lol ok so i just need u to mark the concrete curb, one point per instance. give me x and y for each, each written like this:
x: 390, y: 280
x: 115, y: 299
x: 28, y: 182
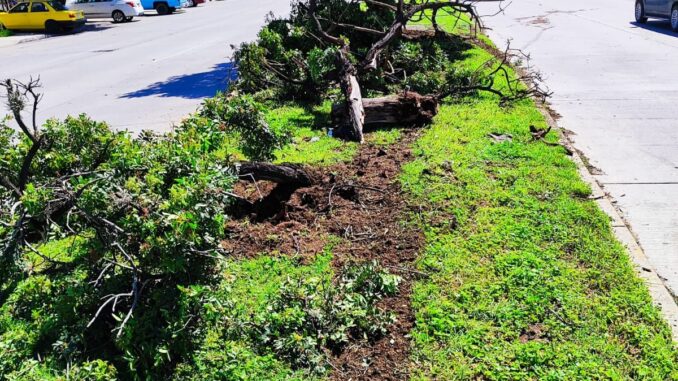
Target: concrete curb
x: 660, y: 294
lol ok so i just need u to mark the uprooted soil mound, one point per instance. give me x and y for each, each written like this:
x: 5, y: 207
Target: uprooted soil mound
x: 361, y: 202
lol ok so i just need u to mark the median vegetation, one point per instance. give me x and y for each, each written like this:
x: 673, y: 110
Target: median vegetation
x: 361, y: 205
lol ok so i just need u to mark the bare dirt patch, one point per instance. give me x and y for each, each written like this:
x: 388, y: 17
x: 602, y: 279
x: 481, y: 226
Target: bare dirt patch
x: 362, y: 203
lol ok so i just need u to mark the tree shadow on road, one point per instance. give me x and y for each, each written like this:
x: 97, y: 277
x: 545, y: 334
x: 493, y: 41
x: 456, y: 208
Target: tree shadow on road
x: 191, y: 86
x: 659, y: 26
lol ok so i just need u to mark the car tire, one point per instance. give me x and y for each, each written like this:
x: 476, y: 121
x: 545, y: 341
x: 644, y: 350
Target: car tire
x: 640, y: 12
x: 674, y: 18
x: 194, y: 4
x: 52, y: 27
x: 2, y: 26
x: 128, y: 19
x: 162, y: 9
x: 118, y: 17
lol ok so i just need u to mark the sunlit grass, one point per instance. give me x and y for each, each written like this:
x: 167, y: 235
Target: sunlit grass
x: 527, y: 281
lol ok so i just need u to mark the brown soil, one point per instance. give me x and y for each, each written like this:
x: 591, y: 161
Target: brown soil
x: 361, y: 202
x: 534, y: 332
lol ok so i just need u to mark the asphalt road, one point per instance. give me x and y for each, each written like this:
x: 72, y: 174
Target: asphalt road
x: 615, y: 84
x: 147, y: 74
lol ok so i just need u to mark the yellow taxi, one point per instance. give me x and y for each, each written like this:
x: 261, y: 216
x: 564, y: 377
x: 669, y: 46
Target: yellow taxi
x: 50, y: 16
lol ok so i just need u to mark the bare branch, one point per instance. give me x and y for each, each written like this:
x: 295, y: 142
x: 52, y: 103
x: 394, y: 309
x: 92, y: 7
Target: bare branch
x: 312, y: 8
x: 354, y: 27
x: 405, y: 14
x: 16, y: 102
x: 26, y: 166
x: 526, y: 84
x: 9, y: 185
x: 380, y: 4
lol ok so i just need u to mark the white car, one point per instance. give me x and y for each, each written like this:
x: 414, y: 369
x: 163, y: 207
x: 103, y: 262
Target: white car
x: 119, y: 10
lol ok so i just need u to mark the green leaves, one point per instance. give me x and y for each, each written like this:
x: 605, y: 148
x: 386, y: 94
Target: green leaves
x: 312, y: 315
x: 243, y: 116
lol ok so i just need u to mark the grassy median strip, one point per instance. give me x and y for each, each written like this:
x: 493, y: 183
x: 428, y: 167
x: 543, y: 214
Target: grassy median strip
x: 527, y: 281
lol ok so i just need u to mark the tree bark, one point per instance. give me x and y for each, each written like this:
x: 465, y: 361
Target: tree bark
x: 403, y: 109
x: 288, y: 174
x: 353, y: 106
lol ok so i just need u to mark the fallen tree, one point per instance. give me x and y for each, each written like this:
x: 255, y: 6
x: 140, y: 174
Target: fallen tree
x: 152, y: 208
x: 374, y: 52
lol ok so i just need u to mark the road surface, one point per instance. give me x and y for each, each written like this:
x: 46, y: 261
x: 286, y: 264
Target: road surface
x: 147, y: 74
x: 615, y: 84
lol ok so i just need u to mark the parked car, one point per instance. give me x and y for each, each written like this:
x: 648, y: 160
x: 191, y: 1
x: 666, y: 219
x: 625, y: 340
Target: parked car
x: 164, y: 7
x: 50, y: 16
x: 119, y: 10
x: 194, y: 3
x: 660, y: 9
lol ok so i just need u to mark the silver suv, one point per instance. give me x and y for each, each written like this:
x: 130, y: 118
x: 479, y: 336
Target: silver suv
x: 661, y: 9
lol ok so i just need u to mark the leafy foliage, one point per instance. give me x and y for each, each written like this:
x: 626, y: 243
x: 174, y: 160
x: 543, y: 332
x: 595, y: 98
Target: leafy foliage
x: 299, y: 320
x: 313, y: 315
x: 115, y: 243
x: 147, y: 214
x: 243, y: 116
x: 289, y: 58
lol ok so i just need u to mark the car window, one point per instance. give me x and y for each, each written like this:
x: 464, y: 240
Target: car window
x: 57, y: 6
x: 21, y: 8
x: 38, y: 7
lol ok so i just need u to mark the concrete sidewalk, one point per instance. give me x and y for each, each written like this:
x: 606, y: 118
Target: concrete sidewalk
x: 615, y: 84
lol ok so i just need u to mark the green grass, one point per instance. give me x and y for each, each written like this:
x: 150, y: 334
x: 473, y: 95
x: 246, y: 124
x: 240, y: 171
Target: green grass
x: 5, y: 33
x: 383, y: 137
x: 310, y: 143
x: 527, y: 281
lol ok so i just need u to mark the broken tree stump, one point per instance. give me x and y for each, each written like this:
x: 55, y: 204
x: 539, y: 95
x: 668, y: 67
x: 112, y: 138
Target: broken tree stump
x: 402, y: 109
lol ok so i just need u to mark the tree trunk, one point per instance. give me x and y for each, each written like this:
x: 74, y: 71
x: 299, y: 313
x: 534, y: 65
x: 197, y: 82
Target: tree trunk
x: 403, y: 109
x: 353, y: 106
x: 288, y: 174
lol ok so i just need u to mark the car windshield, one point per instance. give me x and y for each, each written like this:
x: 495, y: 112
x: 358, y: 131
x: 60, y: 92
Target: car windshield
x: 57, y: 6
